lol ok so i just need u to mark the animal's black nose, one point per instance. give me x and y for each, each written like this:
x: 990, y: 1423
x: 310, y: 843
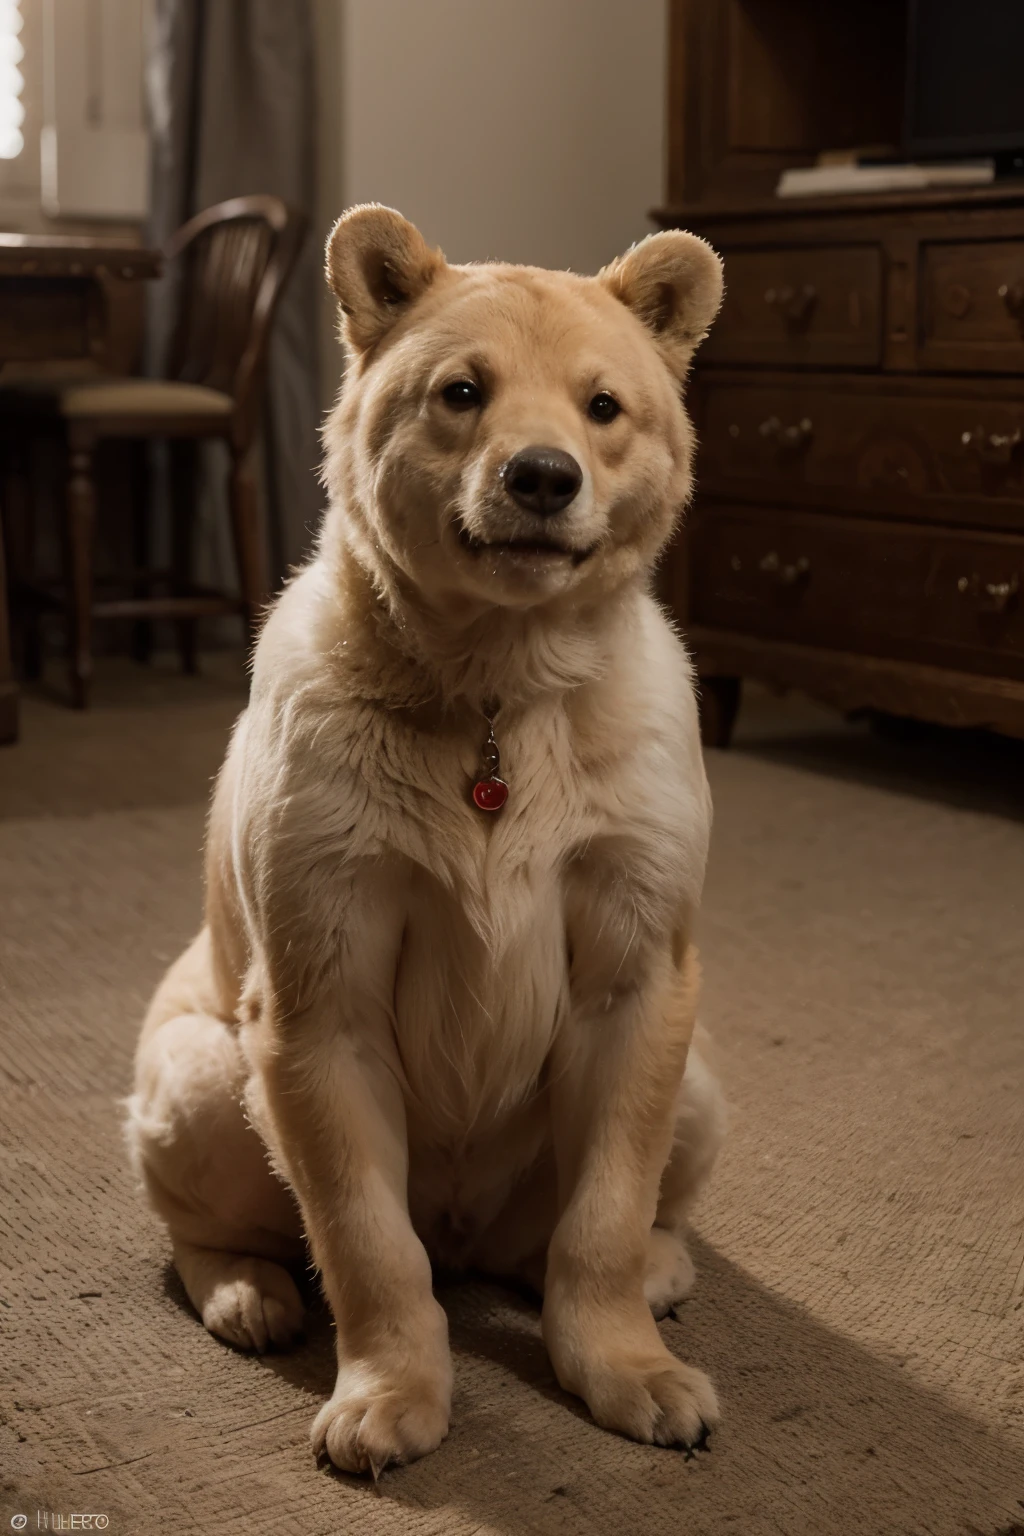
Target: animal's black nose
x: 543, y: 480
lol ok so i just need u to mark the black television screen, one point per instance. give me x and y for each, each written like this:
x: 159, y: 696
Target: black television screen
x: 965, y: 77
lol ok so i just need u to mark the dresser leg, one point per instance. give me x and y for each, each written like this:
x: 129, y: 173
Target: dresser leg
x: 719, y: 699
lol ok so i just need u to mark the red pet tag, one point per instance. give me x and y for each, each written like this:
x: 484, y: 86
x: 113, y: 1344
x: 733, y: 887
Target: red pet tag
x: 490, y: 791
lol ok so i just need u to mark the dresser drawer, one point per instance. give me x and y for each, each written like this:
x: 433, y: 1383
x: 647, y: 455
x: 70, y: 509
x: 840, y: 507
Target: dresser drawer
x: 972, y: 305
x: 903, y: 451
x: 883, y: 588
x: 814, y: 306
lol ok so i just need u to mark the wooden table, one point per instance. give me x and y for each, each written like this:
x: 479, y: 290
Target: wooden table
x: 54, y: 309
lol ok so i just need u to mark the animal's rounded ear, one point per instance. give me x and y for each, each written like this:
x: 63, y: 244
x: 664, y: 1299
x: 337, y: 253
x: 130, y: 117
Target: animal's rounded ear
x: 672, y: 282
x: 378, y: 264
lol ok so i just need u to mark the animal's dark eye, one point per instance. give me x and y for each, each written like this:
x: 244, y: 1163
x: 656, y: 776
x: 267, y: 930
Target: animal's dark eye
x: 603, y: 407
x: 462, y: 395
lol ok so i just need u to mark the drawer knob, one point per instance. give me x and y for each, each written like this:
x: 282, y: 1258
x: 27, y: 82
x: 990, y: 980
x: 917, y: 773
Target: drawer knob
x: 991, y: 596
x: 793, y: 304
x: 992, y: 447
x: 796, y: 436
x: 958, y: 300
x: 1012, y: 295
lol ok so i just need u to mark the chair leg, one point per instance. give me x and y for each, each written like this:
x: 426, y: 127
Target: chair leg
x: 142, y: 629
x: 81, y: 523
x: 245, y: 523
x: 183, y: 486
x: 18, y: 516
x: 8, y: 688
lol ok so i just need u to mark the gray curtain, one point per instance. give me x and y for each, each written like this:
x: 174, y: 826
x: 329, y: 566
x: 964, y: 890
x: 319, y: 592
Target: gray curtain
x: 232, y: 107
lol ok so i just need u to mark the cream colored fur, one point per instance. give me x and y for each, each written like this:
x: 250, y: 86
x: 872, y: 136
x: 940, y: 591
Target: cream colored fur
x: 409, y: 1030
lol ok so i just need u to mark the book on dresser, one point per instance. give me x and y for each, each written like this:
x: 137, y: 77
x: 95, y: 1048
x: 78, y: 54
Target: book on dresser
x: 858, y: 528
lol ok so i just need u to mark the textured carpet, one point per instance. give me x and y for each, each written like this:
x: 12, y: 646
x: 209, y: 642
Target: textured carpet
x: 860, y: 1251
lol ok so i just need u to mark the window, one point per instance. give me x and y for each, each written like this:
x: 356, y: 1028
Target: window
x: 21, y: 104
x: 12, y: 81
x: 72, y: 135
x: 93, y: 146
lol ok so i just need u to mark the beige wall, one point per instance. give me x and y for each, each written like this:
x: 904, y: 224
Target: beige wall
x: 523, y: 130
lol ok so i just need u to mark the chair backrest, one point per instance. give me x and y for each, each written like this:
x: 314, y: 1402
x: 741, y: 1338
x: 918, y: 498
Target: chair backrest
x: 235, y: 259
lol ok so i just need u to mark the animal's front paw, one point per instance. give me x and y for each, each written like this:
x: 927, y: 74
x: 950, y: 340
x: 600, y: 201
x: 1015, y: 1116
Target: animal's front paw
x: 657, y: 1400
x: 374, y: 1420
x: 615, y: 1359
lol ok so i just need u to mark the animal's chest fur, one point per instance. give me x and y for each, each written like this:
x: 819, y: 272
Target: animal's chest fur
x: 482, y: 977
x: 489, y: 904
x: 473, y: 1028
x: 475, y: 1012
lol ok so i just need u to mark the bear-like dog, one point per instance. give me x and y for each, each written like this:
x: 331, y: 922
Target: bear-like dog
x: 443, y: 1001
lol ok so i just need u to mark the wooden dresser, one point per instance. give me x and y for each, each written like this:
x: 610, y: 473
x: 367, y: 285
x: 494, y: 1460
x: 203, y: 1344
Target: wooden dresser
x: 858, y: 531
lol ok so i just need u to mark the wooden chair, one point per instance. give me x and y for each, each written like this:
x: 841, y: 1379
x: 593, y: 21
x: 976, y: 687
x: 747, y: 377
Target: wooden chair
x: 234, y: 260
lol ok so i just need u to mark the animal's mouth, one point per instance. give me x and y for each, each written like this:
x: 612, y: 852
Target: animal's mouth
x: 531, y: 549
